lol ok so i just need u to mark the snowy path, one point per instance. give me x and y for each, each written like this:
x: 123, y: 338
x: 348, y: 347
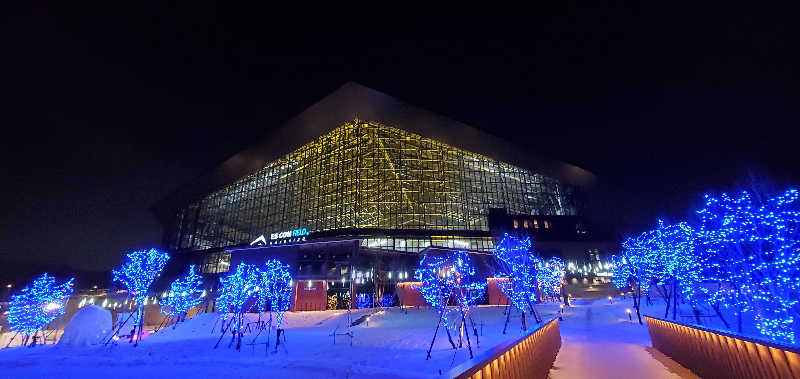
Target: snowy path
x: 598, y: 341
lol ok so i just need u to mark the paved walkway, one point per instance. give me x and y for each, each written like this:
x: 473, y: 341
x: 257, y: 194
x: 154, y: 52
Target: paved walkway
x: 598, y: 341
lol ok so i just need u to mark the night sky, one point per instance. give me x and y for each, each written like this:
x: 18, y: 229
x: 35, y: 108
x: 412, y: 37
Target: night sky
x: 105, y: 111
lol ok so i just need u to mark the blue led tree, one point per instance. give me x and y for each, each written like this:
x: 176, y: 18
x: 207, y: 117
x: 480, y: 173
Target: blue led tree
x: 633, y: 268
x: 364, y: 300
x: 37, y: 305
x: 137, y: 275
x: 449, y: 276
x: 276, y: 289
x: 520, y: 264
x: 184, y: 294
x: 235, y: 292
x: 750, y: 248
x: 550, y: 276
x: 666, y: 255
x: 387, y: 300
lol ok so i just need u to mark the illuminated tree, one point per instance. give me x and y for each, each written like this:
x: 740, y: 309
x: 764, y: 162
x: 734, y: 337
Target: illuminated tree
x: 184, y: 294
x: 137, y: 275
x: 519, y: 263
x: 633, y: 268
x: 37, y: 305
x: 364, y: 300
x: 443, y: 277
x: 550, y: 276
x: 235, y: 291
x: 750, y: 249
x: 276, y: 288
x: 387, y: 300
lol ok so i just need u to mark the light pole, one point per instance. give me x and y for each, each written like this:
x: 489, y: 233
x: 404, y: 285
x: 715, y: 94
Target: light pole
x: 628, y: 311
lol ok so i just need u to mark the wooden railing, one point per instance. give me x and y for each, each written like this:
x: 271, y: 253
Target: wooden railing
x: 712, y: 353
x: 530, y: 356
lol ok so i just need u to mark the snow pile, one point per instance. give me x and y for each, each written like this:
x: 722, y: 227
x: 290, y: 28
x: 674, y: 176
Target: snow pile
x: 88, y: 327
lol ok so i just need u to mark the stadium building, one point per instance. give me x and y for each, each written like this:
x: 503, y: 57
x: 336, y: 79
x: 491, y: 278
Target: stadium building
x: 354, y: 189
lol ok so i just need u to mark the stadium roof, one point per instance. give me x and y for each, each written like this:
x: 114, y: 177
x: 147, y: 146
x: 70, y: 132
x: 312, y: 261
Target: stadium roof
x: 354, y: 101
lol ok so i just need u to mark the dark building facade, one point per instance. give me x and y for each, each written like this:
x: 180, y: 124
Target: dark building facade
x: 359, y: 185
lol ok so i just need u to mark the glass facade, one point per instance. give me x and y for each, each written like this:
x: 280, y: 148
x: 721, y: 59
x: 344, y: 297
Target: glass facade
x: 371, y: 177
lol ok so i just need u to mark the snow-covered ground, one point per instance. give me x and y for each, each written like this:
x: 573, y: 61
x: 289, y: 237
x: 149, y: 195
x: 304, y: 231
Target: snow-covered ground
x: 599, y: 341
x: 392, y: 345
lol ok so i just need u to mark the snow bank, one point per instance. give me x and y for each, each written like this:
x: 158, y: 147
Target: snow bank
x: 88, y: 327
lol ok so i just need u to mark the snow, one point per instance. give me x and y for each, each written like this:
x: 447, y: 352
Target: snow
x: 392, y: 344
x: 599, y: 341
x: 87, y: 327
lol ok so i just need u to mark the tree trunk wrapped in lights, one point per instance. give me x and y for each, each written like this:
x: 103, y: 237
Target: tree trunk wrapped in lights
x: 449, y: 276
x: 37, y: 305
x: 137, y: 275
x: 184, y: 294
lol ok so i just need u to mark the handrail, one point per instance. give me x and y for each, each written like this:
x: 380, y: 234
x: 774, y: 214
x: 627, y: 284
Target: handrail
x: 712, y: 353
x: 727, y: 333
x: 529, y: 356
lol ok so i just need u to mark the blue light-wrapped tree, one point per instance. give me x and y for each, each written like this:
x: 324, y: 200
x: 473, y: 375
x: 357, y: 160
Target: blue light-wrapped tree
x: 750, y: 248
x: 37, y: 305
x: 387, y: 300
x: 669, y: 259
x: 364, y: 300
x: 550, y: 276
x: 633, y: 268
x: 276, y: 287
x: 520, y: 264
x: 137, y: 275
x: 184, y: 294
x: 446, y: 276
x: 235, y: 293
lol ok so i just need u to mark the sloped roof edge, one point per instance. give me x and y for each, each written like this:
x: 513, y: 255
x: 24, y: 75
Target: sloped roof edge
x: 353, y: 101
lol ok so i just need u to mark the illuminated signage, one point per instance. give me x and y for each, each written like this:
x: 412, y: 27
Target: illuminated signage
x: 261, y: 240
x: 294, y: 235
x: 300, y: 232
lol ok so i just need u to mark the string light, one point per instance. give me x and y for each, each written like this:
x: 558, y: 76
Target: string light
x: 526, y: 272
x: 550, y: 276
x: 446, y: 276
x: 185, y: 293
x: 38, y: 304
x: 276, y: 288
x: 751, y: 250
x: 748, y: 248
x: 137, y: 274
x: 235, y: 289
x: 363, y: 300
x: 387, y: 300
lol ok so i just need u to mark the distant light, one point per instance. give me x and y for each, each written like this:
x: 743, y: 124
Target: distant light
x: 8, y: 286
x: 52, y: 306
x: 95, y: 286
x: 627, y: 310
